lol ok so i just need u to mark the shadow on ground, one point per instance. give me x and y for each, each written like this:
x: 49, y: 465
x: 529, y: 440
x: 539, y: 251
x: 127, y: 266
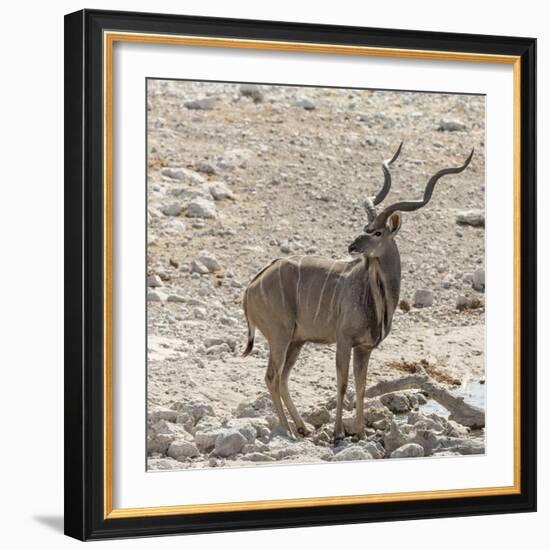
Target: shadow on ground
x: 55, y: 523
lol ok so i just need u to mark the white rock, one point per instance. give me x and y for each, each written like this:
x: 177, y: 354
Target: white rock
x: 202, y: 104
x: 423, y: 298
x: 408, y: 450
x: 394, y: 437
x: 173, y: 209
x: 198, y: 267
x: 397, y: 402
x: 199, y: 313
x: 197, y: 409
x: 245, y: 427
x: 166, y: 427
x: 262, y: 406
x: 175, y: 298
x: 448, y: 282
x: 252, y: 91
x: 352, y: 453
x: 219, y: 349
x: 174, y: 226
x: 161, y: 434
x: 208, y: 423
x: 229, y: 442
x: 158, y: 443
x: 154, y: 296
x: 475, y: 218
x: 317, y: 417
x: 304, y: 102
x: 220, y: 191
x: 206, y: 167
x: 162, y: 413
x: 234, y: 158
x: 451, y: 125
x: 187, y: 421
x: 375, y: 450
x: 208, y: 260
x: 375, y: 413
x: 228, y: 321
x: 468, y: 302
x: 258, y: 457
x: 285, y: 247
x: 205, y: 440
x: 423, y: 422
x: 182, y: 449
x: 200, y: 207
x: 464, y: 446
x: 478, y: 280
x: 162, y: 464
x: 260, y: 425
x: 183, y: 174
x: 154, y: 281
x: 216, y: 341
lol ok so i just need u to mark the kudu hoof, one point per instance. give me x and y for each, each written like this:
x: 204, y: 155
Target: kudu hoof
x: 304, y: 432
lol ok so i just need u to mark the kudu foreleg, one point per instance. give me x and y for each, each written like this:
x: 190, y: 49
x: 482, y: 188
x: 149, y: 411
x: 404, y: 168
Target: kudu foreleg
x: 343, y: 353
x: 360, y: 366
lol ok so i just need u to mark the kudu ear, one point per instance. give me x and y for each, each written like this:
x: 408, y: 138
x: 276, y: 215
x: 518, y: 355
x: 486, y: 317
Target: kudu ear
x: 394, y: 223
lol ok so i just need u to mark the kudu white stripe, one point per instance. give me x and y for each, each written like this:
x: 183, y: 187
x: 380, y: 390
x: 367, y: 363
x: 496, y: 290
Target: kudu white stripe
x: 322, y: 293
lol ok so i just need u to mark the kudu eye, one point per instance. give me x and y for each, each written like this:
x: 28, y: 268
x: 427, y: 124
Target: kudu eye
x: 378, y: 233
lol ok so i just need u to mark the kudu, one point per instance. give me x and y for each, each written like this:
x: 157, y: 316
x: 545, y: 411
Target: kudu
x: 299, y: 299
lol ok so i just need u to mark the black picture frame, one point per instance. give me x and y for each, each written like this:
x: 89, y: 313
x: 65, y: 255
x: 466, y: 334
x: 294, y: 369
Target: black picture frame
x: 84, y: 286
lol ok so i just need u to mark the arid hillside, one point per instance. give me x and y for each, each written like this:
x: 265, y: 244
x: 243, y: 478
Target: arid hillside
x: 241, y: 175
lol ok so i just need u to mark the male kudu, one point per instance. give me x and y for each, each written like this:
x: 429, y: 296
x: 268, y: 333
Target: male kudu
x: 301, y: 299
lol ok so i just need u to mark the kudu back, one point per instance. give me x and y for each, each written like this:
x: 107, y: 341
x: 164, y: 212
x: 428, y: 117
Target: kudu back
x: 299, y: 299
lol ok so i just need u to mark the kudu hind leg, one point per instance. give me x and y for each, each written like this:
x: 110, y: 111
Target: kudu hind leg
x: 360, y: 366
x: 277, y: 356
x: 343, y: 353
x: 291, y: 357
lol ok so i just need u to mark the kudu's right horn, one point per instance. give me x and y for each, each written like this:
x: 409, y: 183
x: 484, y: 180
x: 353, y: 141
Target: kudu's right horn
x: 371, y: 202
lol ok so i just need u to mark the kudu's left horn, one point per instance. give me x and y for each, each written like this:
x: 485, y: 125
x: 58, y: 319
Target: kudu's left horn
x: 410, y: 206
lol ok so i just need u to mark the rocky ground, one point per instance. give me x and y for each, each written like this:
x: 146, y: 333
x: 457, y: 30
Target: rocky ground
x: 240, y: 175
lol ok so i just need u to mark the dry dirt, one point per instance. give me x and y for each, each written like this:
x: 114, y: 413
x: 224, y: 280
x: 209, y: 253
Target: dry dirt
x: 293, y: 179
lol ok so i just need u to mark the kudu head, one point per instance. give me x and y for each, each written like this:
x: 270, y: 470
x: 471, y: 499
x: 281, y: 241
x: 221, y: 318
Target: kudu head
x: 383, y: 227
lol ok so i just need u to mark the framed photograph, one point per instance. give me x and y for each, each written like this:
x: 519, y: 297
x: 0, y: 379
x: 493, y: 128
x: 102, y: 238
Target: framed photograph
x: 300, y: 274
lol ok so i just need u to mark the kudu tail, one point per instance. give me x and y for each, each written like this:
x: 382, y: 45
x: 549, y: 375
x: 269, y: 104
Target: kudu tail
x: 251, y: 330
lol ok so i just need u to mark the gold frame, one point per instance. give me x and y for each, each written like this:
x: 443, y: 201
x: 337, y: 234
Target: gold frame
x: 109, y: 39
